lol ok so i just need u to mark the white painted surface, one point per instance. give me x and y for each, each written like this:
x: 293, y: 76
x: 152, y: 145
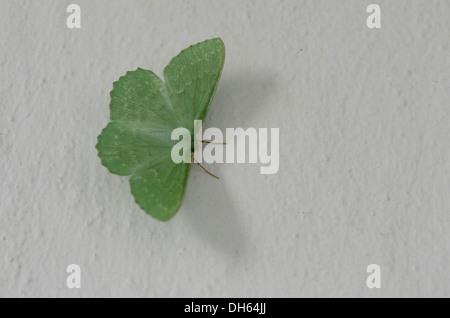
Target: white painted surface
x: 364, y: 174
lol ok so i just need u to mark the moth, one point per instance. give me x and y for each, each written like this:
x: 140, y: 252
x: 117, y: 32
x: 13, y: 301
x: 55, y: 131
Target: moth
x: 145, y: 110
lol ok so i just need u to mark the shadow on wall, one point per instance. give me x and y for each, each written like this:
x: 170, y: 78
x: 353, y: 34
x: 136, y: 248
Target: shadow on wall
x: 239, y: 97
x: 211, y: 212
x: 210, y: 208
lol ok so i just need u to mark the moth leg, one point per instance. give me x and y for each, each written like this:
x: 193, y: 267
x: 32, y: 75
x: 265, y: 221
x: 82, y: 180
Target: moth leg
x: 204, y: 169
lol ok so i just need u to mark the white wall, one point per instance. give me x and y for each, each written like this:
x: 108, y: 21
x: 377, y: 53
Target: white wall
x: 364, y: 175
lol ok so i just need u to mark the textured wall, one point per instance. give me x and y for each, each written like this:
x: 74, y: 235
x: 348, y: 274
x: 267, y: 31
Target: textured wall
x: 364, y: 144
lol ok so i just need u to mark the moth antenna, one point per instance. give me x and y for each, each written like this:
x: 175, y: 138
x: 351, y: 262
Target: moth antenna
x: 213, y: 143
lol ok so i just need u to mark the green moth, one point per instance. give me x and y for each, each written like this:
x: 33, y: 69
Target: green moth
x: 144, y: 112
